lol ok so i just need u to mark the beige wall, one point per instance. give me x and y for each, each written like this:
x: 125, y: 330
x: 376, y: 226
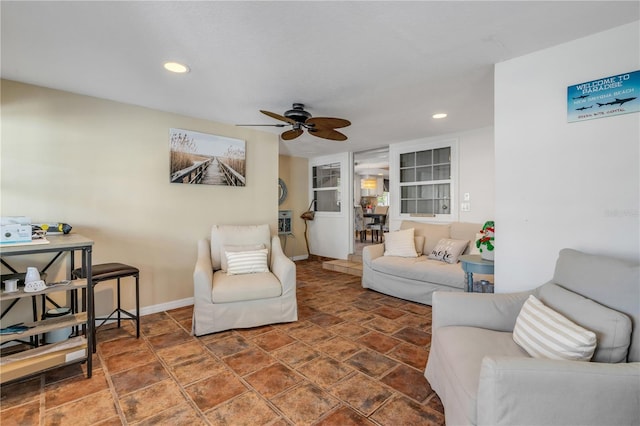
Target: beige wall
x: 103, y: 167
x: 294, y: 171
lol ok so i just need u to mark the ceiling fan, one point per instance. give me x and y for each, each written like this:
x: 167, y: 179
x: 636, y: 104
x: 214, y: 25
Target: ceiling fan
x: 321, y: 127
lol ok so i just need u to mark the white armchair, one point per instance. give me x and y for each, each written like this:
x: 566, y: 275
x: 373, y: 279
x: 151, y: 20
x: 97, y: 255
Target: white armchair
x: 224, y: 301
x: 483, y: 377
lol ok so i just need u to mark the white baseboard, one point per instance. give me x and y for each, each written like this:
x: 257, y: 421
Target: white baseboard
x: 302, y: 257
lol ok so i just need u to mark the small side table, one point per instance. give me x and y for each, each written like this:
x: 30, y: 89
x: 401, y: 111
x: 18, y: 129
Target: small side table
x: 475, y: 263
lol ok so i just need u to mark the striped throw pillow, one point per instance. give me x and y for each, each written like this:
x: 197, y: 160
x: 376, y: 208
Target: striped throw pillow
x: 246, y: 262
x: 544, y: 333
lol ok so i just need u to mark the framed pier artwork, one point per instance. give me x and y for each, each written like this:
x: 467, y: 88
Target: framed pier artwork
x: 200, y: 158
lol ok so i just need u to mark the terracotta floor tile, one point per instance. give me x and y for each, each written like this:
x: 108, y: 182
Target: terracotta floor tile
x: 86, y: 411
x: 388, y: 312
x: 248, y: 361
x: 183, y: 414
x: 158, y: 316
x: 413, y: 335
x: 228, y: 346
x: 325, y: 320
x: 127, y: 360
x: 362, y: 393
x: 402, y: 411
x: 366, y: 305
x: 273, y: 380
x: 305, y: 404
x: 410, y: 354
x: 349, y: 330
x: 344, y: 416
x: 159, y: 327
x: 254, y: 331
x: 378, y: 342
x: 339, y: 348
x: 272, y: 340
x: 148, y: 402
x: 75, y: 388
x: 215, y: 390
x: 111, y: 331
x: 138, y: 377
x: 409, y: 381
x: 358, y: 316
x: 418, y: 309
x: 383, y: 325
x: 186, y: 312
x: 325, y: 371
x: 19, y: 392
x: 24, y: 414
x: 167, y: 340
x: 214, y: 337
x: 195, y: 369
x: 72, y: 370
x: 435, y: 403
x: 416, y: 321
x: 246, y: 410
x: 313, y: 335
x: 296, y: 354
x: 371, y: 363
x: 121, y: 345
x: 182, y: 353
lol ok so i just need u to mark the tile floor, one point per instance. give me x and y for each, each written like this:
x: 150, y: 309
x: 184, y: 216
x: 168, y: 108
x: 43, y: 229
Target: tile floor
x: 355, y: 357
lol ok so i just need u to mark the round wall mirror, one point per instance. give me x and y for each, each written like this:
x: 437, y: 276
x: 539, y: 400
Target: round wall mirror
x: 282, y: 191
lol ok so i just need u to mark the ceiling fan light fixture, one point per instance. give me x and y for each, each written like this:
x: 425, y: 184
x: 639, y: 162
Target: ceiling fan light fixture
x: 176, y: 67
x: 439, y: 115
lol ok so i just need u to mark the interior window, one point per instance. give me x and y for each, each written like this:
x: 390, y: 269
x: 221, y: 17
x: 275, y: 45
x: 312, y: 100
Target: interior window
x: 326, y: 187
x: 425, y: 182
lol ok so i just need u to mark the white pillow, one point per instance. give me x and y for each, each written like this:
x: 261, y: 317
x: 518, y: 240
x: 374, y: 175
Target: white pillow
x: 400, y: 243
x: 544, y: 333
x: 236, y: 248
x: 448, y: 250
x: 246, y: 262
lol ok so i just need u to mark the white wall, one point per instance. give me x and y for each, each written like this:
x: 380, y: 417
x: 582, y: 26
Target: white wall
x: 562, y: 184
x: 103, y: 167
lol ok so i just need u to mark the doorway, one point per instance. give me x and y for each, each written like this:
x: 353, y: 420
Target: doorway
x: 370, y: 189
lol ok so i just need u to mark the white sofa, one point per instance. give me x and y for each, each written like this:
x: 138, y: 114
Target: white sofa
x: 417, y: 278
x: 224, y: 301
x: 484, y: 378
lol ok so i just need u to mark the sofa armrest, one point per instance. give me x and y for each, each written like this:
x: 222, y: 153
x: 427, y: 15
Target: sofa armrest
x: 370, y: 253
x: 203, y: 274
x: 492, y: 311
x: 282, y: 267
x: 527, y: 391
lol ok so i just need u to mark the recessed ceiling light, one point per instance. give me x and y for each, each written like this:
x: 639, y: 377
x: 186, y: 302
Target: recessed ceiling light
x: 439, y: 115
x: 176, y: 67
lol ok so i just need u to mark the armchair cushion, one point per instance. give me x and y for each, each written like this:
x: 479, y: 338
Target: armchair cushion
x: 544, y: 333
x: 242, y: 235
x: 612, y: 328
x: 235, y: 288
x: 246, y: 262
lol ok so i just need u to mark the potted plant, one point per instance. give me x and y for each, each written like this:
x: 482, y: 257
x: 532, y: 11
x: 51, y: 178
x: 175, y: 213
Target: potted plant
x: 486, y: 243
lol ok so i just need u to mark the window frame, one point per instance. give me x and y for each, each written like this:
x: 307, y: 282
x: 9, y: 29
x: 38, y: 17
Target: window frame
x: 395, y: 153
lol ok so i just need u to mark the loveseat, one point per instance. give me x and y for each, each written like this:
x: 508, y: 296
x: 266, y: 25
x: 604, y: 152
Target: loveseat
x: 416, y: 278
x: 484, y: 377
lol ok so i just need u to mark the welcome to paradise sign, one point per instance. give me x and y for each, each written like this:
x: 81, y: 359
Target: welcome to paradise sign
x: 604, y: 97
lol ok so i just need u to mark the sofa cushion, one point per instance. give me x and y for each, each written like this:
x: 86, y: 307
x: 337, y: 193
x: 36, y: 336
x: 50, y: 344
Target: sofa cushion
x: 460, y: 351
x: 246, y: 262
x: 421, y: 269
x: 465, y: 231
x: 612, y: 328
x: 448, y: 250
x: 400, y: 243
x: 431, y: 232
x: 236, y: 288
x: 544, y: 333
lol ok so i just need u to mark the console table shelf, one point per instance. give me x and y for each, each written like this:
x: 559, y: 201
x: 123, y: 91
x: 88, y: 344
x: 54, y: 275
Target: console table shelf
x: 75, y: 349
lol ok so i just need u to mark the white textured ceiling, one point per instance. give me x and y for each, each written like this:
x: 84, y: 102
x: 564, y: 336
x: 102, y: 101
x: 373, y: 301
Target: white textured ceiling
x: 386, y: 66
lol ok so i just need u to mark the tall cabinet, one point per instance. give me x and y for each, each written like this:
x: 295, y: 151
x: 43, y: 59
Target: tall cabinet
x: 75, y: 349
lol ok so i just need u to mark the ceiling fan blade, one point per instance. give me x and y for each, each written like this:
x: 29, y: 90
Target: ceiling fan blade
x: 331, y: 134
x: 291, y: 134
x: 327, y: 122
x: 272, y: 125
x: 278, y: 116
